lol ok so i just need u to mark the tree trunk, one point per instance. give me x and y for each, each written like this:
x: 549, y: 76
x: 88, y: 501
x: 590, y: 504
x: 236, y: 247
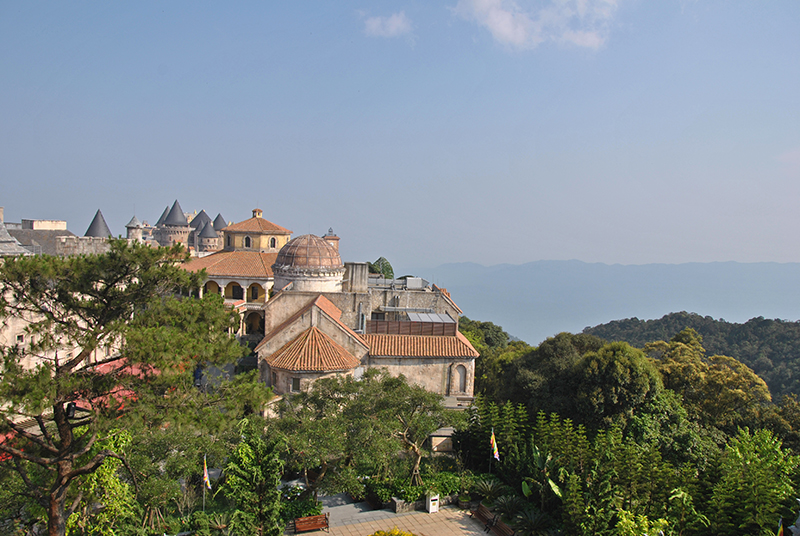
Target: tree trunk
x: 56, y: 515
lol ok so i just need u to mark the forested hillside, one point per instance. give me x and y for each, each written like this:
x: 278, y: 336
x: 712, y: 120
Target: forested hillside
x: 661, y: 436
x: 770, y: 347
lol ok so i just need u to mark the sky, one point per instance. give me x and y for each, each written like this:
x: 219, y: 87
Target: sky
x: 427, y: 132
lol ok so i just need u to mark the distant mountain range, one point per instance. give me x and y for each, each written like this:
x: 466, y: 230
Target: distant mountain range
x: 537, y: 300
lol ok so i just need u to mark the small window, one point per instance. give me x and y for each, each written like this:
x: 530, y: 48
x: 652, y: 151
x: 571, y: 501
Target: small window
x: 20, y: 338
x: 247, y: 241
x: 273, y: 242
x: 295, y: 384
x: 229, y: 240
x: 254, y: 293
x: 274, y: 379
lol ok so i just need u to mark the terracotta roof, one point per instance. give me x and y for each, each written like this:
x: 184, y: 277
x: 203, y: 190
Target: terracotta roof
x: 325, y: 305
x: 313, y: 351
x: 419, y: 346
x: 257, y: 225
x: 251, y: 264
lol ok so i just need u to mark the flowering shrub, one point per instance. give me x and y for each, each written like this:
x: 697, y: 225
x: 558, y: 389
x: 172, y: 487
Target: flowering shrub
x: 394, y: 532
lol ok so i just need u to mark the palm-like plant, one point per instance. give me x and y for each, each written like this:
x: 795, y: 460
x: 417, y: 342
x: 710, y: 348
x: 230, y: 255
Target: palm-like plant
x: 542, y: 481
x: 509, y: 505
x: 490, y: 488
x: 533, y: 522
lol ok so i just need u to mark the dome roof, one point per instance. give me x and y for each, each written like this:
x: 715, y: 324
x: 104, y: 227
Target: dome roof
x: 308, y: 252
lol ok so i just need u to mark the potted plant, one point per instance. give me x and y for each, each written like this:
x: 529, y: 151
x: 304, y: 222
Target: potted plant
x: 463, y: 500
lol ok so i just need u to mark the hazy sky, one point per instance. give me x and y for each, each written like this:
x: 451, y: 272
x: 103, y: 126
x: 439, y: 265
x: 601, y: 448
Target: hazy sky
x: 492, y: 131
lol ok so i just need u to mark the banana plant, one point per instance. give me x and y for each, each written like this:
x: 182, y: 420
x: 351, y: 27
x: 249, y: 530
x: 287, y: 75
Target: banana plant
x: 542, y: 478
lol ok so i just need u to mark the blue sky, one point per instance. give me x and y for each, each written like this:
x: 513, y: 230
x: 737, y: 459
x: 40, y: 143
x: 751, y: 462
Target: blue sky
x: 615, y: 131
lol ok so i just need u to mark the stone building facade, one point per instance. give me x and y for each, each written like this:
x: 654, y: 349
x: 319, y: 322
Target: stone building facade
x: 313, y: 315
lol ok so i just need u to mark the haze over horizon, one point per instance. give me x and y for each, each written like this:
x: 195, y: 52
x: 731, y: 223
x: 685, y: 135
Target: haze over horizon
x: 486, y: 131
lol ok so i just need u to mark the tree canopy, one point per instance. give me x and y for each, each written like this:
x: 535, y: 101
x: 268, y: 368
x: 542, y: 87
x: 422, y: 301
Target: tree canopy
x: 112, y: 343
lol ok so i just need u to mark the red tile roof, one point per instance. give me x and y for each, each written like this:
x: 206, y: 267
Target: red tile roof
x: 419, y: 346
x: 313, y: 351
x: 251, y: 264
x: 326, y: 306
x: 257, y: 225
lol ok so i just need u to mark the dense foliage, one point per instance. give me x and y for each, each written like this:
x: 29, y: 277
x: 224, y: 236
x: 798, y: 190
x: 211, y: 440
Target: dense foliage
x: 770, y: 347
x: 606, y: 438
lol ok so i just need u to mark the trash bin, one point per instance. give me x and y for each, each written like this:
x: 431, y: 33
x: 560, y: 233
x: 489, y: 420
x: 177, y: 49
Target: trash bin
x: 433, y: 503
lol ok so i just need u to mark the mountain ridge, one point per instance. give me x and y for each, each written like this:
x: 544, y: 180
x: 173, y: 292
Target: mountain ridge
x: 539, y: 299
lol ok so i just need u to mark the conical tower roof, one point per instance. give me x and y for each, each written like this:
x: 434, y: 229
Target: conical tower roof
x: 219, y: 223
x: 199, y: 221
x: 98, y: 227
x: 175, y: 216
x: 163, y: 216
x: 134, y: 223
x: 208, y: 231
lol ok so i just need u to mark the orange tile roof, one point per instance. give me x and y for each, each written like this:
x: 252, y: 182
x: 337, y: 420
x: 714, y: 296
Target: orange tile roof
x: 257, y: 225
x: 419, y: 346
x: 313, y: 351
x: 252, y: 264
x: 325, y: 306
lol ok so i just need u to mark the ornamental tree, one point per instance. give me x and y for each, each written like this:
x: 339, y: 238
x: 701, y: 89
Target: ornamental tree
x: 109, y: 341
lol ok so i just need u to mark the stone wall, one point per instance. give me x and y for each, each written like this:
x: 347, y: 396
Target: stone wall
x: 82, y: 245
x: 434, y: 374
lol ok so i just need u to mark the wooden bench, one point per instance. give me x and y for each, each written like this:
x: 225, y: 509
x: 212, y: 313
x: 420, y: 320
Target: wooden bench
x: 500, y: 528
x: 485, y: 516
x: 305, y: 524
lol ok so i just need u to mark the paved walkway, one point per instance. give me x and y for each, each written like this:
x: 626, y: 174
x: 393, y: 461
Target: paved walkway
x: 358, y: 519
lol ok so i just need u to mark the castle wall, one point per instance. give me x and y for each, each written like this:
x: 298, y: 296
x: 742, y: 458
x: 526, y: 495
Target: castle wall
x: 82, y: 245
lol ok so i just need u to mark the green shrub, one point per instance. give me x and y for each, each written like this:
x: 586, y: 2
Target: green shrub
x: 294, y: 504
x: 380, y: 490
x: 445, y: 483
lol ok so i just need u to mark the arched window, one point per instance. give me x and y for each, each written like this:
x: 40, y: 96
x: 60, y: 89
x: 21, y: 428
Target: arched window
x: 273, y: 242
x: 247, y: 241
x: 461, y: 373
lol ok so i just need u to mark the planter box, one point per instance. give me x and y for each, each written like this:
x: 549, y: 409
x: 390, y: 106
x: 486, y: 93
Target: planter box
x: 399, y: 506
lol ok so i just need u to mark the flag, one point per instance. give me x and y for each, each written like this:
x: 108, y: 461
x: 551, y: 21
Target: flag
x: 206, y: 480
x: 780, y: 528
x: 493, y: 443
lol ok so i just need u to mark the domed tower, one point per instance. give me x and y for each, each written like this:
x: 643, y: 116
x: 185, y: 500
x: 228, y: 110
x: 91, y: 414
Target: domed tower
x: 310, y: 264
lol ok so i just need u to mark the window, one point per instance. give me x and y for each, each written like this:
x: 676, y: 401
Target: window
x: 229, y: 240
x: 273, y: 242
x: 254, y: 292
x: 247, y: 241
x: 295, y: 384
x: 274, y: 379
x: 237, y: 292
x: 20, y: 338
x: 461, y: 372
